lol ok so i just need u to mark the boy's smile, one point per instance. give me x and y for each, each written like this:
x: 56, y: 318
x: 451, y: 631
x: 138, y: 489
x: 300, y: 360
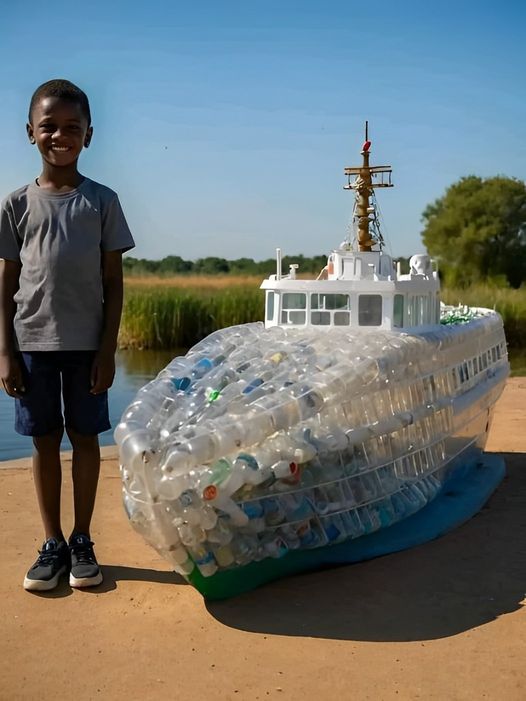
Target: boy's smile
x: 60, y: 130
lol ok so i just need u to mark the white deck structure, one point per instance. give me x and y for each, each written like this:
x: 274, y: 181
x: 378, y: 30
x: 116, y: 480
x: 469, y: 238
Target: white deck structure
x: 360, y: 289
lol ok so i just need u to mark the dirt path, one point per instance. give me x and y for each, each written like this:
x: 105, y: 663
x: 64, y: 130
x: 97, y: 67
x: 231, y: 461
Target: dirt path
x: 443, y: 621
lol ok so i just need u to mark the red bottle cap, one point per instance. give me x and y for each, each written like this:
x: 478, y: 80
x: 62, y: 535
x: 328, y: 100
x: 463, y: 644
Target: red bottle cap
x: 210, y: 492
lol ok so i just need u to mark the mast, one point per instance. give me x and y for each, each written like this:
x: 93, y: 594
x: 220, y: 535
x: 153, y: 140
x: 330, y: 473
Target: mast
x: 363, y: 185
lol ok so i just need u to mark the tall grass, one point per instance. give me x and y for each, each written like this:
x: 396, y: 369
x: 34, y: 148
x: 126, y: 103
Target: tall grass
x: 177, y: 315
x: 163, y: 313
x: 194, y: 282
x: 510, y: 303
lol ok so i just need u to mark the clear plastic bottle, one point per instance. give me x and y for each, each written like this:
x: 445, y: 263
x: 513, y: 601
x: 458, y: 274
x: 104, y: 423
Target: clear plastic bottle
x: 136, y: 452
x: 204, y: 559
x: 179, y: 558
x: 274, y: 511
x: 256, y: 516
x: 274, y: 545
x: 244, y: 548
x: 223, y: 555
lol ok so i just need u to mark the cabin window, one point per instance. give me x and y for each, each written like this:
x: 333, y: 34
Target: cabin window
x: 293, y: 305
x: 342, y: 318
x: 293, y: 317
x: 329, y: 302
x: 320, y: 318
x: 370, y: 310
x: 325, y: 307
x: 270, y: 306
x: 412, y: 311
x: 398, y: 311
x: 294, y: 300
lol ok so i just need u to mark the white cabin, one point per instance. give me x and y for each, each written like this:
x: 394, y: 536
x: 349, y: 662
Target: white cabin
x: 355, y: 289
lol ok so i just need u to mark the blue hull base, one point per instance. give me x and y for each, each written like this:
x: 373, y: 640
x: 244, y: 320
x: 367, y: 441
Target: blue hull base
x: 462, y: 496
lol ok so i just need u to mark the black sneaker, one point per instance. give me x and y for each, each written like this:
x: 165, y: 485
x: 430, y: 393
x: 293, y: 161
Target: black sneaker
x: 85, y: 571
x: 52, y: 561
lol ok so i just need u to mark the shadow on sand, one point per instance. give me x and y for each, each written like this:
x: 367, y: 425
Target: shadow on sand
x: 112, y: 575
x: 462, y: 580
x: 117, y: 573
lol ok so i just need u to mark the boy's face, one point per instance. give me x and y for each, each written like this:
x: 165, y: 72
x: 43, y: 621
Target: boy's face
x: 60, y: 130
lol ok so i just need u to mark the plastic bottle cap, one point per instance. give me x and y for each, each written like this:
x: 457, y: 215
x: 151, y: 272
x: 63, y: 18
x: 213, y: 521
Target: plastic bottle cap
x: 210, y: 492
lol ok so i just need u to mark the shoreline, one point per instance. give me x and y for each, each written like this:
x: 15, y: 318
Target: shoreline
x: 107, y: 452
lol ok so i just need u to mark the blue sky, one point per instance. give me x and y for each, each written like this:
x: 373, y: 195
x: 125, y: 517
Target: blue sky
x: 225, y: 126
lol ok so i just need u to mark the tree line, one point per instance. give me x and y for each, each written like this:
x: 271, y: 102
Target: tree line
x: 175, y: 265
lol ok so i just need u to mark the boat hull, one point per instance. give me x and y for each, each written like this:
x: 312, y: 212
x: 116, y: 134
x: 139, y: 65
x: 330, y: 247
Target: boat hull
x: 238, y: 478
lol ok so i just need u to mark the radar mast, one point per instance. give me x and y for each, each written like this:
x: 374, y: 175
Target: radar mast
x: 366, y: 179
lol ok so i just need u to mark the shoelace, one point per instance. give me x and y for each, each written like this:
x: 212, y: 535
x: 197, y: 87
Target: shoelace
x: 84, y: 553
x: 46, y: 557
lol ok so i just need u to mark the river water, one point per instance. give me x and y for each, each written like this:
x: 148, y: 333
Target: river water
x: 134, y: 369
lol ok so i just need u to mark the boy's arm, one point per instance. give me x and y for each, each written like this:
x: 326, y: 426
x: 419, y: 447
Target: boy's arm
x: 103, y: 369
x: 10, y: 370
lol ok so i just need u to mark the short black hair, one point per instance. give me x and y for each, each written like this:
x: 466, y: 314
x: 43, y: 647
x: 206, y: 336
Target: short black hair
x: 65, y: 90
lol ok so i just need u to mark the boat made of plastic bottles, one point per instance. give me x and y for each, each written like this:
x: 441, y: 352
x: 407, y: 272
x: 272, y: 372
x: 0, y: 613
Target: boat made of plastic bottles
x: 275, y: 447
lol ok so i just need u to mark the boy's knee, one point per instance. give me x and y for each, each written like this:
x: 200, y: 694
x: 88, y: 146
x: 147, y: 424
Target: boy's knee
x: 80, y: 441
x: 51, y: 441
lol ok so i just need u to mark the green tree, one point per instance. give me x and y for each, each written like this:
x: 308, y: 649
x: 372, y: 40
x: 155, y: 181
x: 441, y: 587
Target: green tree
x: 211, y: 266
x: 139, y: 266
x: 477, y: 231
x: 245, y: 266
x: 175, y: 264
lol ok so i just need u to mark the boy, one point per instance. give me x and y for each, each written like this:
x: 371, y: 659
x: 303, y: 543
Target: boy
x: 61, y: 244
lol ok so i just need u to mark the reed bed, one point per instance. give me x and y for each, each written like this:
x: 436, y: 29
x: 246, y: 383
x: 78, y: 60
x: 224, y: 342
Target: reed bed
x: 194, y: 282
x: 510, y: 303
x: 177, y: 316
x: 163, y: 313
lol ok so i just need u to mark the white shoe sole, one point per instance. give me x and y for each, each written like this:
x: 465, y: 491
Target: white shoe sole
x: 42, y: 584
x: 79, y: 583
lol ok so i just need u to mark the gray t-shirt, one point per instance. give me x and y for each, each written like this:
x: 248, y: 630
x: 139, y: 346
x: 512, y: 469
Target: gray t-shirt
x: 58, y: 239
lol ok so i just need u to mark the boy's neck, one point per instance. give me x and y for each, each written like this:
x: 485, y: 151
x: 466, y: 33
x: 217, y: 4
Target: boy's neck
x: 59, y: 179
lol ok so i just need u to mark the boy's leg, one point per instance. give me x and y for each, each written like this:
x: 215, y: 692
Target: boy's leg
x: 85, y: 470
x: 84, y: 571
x: 47, y: 475
x: 38, y: 414
x: 86, y: 415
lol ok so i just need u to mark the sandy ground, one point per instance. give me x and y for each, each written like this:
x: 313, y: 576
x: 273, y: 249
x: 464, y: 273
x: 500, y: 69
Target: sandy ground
x: 442, y: 621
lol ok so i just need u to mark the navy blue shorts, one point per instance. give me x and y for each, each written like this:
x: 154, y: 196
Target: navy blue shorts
x: 56, y: 379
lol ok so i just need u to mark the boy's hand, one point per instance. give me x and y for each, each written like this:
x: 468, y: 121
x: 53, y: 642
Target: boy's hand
x: 11, y: 375
x: 102, y: 372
